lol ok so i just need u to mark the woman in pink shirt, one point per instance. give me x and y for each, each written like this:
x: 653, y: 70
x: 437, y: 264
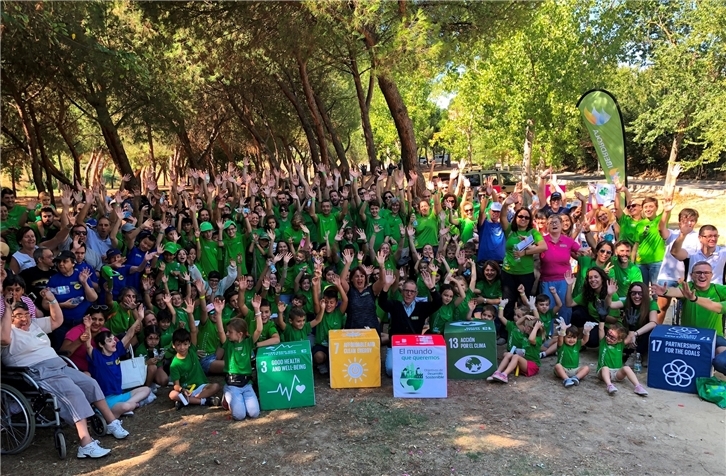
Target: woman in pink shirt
x: 555, y: 262
x: 74, y: 344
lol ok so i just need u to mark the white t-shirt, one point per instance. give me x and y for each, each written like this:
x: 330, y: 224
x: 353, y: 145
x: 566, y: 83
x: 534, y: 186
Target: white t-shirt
x: 717, y: 260
x: 673, y: 269
x: 24, y: 261
x: 27, y: 348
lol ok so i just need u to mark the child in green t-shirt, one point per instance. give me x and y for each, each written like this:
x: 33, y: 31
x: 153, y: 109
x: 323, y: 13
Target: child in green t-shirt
x: 547, y: 316
x: 238, y: 346
x: 528, y: 364
x: 568, y: 352
x: 331, y: 317
x: 297, y: 328
x: 610, y: 358
x: 190, y: 383
x: 268, y: 331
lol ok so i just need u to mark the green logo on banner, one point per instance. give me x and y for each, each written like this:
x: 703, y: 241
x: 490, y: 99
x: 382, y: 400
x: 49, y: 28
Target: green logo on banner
x: 604, y: 123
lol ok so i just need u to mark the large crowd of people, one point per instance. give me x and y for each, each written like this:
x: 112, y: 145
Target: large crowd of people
x: 196, y: 277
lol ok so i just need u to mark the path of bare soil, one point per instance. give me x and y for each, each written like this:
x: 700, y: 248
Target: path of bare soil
x: 531, y: 426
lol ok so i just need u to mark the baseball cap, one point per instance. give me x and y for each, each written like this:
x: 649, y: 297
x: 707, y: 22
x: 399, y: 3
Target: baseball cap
x: 206, y: 226
x: 556, y: 196
x: 112, y: 252
x: 171, y: 247
x: 127, y: 227
x: 64, y: 255
x: 496, y: 207
x: 169, y: 229
x: 229, y: 223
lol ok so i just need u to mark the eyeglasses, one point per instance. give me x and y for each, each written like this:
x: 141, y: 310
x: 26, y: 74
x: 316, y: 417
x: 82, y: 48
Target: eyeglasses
x: 633, y: 205
x: 468, y: 209
x: 411, y: 291
x: 523, y: 217
x: 636, y: 293
x: 83, y: 233
x: 99, y: 307
x: 701, y: 273
x: 605, y: 252
x: 710, y: 237
x: 21, y: 315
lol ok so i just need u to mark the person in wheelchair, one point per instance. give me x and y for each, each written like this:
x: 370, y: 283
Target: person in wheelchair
x: 25, y: 343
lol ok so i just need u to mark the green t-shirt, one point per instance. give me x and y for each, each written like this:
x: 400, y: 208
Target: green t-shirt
x: 628, y: 229
x: 234, y: 249
x: 467, y: 228
x: 651, y: 246
x: 13, y: 223
x: 439, y: 319
x: 463, y: 309
x: 525, y: 264
x: 120, y: 320
x: 209, y: 259
x: 592, y: 310
x: 331, y: 321
x: 697, y: 316
x: 290, y: 334
x: 188, y: 371
x: 625, y: 277
x: 237, y: 356
x: 489, y: 290
x: 516, y: 336
x: 568, y: 356
x: 327, y: 224
x: 296, y: 235
x: 268, y: 328
x: 427, y: 230
x: 547, y: 319
x: 208, y: 338
x: 610, y: 356
x: 371, y: 224
x: 584, y: 264
x: 531, y: 351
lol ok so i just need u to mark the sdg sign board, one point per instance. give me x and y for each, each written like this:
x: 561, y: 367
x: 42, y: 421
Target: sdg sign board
x: 419, y: 366
x: 678, y: 355
x: 285, y: 376
x: 355, y: 358
x: 471, y: 349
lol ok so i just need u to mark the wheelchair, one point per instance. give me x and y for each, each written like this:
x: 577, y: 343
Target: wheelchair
x: 25, y: 406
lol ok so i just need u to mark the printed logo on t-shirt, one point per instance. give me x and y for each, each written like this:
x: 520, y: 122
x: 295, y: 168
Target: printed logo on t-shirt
x: 62, y: 290
x: 77, y: 286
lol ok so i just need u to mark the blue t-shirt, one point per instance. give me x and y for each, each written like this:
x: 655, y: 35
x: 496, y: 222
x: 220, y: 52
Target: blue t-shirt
x: 65, y: 288
x: 121, y: 281
x: 491, y: 242
x: 106, y: 370
x: 134, y: 258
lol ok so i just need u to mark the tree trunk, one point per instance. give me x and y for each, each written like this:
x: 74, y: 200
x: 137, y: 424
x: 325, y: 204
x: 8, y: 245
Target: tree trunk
x: 364, y: 106
x: 527, y: 156
x: 35, y: 164
x: 339, y: 150
x: 50, y: 168
x: 670, y: 181
x: 112, y: 138
x: 72, y: 148
x: 317, y: 120
x: 404, y: 126
x: 183, y: 136
x: 309, y: 134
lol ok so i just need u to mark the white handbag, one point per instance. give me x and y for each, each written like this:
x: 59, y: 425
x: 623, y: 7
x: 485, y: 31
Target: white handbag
x: 133, y: 371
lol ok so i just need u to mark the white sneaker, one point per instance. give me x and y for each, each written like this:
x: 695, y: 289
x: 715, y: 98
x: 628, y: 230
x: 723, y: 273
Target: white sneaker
x: 115, y: 429
x: 147, y: 400
x: 154, y: 388
x: 92, y: 450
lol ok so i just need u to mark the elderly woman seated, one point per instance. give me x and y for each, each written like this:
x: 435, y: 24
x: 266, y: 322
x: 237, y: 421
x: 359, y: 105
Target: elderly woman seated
x: 25, y: 343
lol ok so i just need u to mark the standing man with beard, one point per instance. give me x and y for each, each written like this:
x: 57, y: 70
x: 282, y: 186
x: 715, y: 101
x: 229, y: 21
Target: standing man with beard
x: 623, y: 271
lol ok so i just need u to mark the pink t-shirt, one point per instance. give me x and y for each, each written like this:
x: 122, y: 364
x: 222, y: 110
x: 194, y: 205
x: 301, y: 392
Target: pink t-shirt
x: 556, y: 260
x: 79, y: 356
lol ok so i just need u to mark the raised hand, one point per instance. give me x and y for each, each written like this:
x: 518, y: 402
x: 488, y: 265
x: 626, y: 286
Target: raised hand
x: 472, y: 304
x: 589, y: 326
x: 503, y: 303
x: 570, y: 278
x: 347, y: 256
x: 381, y: 257
x: 427, y: 279
x: 218, y: 306
x: 389, y: 278
x: 286, y: 259
x: 531, y: 302
x: 602, y: 309
x: 612, y: 287
x: 631, y: 317
x: 84, y: 275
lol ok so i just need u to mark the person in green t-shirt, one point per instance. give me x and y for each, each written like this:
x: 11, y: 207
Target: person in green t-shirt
x: 327, y: 221
x: 528, y: 364
x: 650, y: 247
x: 297, y: 328
x: 569, y: 343
x: 445, y: 314
x: 593, y: 304
x: 640, y: 316
x: 210, y: 251
x: 268, y: 333
x: 623, y: 271
x: 331, y: 317
x: 190, y: 383
x: 610, y: 358
x: 238, y: 346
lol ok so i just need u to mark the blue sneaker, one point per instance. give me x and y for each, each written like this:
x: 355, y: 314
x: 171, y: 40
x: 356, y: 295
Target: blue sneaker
x: 568, y: 382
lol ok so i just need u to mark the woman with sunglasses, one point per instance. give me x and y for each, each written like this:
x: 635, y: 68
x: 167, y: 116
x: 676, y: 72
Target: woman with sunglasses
x: 602, y: 258
x: 518, y: 268
x: 593, y: 303
x: 74, y: 344
x: 640, y: 314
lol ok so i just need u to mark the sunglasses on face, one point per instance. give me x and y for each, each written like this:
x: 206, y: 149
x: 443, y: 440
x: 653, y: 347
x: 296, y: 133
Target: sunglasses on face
x: 99, y: 307
x: 409, y: 291
x: 634, y: 205
x: 636, y: 293
x: 522, y: 217
x: 605, y: 252
x: 83, y: 233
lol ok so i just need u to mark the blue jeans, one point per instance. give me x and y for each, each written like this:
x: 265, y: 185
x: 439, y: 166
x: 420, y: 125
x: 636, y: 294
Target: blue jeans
x: 719, y: 362
x: 242, y: 401
x: 561, y: 287
x: 650, y: 272
x: 389, y: 362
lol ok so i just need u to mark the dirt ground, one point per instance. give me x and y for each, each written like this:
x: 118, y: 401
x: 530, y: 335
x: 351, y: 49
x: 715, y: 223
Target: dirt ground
x: 530, y: 426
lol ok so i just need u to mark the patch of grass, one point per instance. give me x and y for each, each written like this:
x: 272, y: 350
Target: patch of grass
x: 386, y: 418
x: 474, y: 455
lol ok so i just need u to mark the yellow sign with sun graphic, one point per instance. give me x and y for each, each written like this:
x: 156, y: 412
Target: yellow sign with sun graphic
x: 355, y: 358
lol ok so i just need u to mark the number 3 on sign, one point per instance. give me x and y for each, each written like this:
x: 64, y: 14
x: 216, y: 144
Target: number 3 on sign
x: 263, y: 367
x: 453, y: 342
x: 656, y: 345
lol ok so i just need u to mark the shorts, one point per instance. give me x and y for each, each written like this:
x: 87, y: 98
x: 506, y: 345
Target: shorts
x: 206, y: 362
x: 532, y: 369
x: 568, y: 372
x: 613, y: 375
x: 198, y: 390
x: 320, y: 348
x: 114, y: 399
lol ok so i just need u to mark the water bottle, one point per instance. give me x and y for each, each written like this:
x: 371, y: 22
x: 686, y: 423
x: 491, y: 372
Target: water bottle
x: 273, y: 268
x: 638, y: 366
